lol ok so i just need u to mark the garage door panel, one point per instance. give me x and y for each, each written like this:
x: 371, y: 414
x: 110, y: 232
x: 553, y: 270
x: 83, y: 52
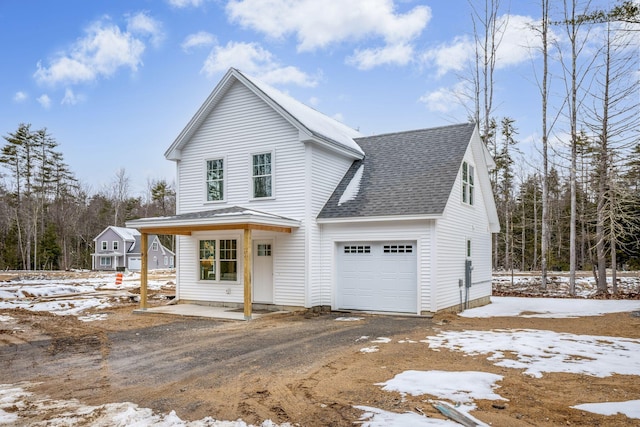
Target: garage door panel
x: 377, y: 276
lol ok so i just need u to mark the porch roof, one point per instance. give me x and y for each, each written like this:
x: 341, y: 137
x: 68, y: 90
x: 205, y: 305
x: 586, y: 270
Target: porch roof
x: 231, y: 218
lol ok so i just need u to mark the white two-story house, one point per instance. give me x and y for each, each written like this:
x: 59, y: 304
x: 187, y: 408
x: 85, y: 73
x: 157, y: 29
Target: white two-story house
x: 280, y: 205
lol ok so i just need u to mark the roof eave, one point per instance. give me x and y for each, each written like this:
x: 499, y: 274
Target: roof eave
x: 384, y: 218
x: 150, y: 223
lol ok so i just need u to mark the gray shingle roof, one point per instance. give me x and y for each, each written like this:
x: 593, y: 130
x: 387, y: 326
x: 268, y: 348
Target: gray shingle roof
x: 405, y: 173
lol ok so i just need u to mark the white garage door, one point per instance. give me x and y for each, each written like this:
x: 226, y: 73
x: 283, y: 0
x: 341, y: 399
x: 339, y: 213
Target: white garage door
x: 377, y: 276
x: 135, y: 264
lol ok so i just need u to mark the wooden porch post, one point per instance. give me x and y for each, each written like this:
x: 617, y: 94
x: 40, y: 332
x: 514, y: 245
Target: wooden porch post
x: 247, y: 273
x: 143, y: 271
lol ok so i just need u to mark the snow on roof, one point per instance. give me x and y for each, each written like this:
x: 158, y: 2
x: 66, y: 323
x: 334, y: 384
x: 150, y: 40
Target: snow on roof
x: 312, y: 119
x: 126, y: 233
x: 351, y: 192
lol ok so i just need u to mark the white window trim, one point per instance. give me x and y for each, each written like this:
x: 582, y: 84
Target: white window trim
x: 115, y: 245
x: 224, y: 179
x: 239, y: 259
x: 104, y: 245
x: 106, y: 264
x: 154, y: 246
x: 271, y: 151
x: 465, y: 186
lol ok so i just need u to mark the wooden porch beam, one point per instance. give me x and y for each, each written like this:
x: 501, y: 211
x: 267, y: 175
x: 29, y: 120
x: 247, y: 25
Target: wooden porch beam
x: 247, y: 273
x: 187, y: 230
x: 143, y: 270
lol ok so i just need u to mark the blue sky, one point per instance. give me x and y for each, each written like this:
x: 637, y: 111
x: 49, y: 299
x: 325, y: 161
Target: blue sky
x: 115, y: 81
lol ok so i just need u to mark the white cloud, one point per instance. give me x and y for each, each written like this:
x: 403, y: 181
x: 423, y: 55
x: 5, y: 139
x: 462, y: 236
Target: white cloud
x: 257, y: 61
x: 446, y: 99
x: 70, y: 98
x: 20, y: 96
x: 199, y: 39
x: 103, y: 50
x: 398, y: 54
x: 452, y: 56
x: 318, y: 25
x: 45, y: 101
x: 185, y: 3
x: 314, y: 101
x: 143, y: 24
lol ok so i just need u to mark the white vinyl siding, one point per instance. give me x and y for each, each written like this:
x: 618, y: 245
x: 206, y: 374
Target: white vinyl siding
x: 459, y: 227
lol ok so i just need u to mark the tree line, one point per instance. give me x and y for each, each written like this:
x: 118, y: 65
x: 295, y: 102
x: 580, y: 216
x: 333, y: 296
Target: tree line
x: 577, y: 205
x: 48, y: 219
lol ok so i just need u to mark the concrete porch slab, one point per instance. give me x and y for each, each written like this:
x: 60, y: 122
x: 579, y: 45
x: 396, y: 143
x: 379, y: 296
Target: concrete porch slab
x: 195, y: 310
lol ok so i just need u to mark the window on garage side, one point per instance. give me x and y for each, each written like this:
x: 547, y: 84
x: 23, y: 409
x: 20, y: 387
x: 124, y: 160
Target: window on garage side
x: 262, y: 175
x: 207, y: 260
x: 467, y: 183
x: 215, y: 180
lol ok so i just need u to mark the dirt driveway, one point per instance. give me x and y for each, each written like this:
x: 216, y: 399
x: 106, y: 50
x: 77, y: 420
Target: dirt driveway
x: 302, y: 368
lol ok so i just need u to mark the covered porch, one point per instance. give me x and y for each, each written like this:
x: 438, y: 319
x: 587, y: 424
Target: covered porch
x: 224, y: 219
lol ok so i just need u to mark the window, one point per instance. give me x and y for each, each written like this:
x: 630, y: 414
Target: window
x: 398, y: 249
x: 154, y: 246
x: 219, y: 256
x: 114, y: 245
x: 262, y: 175
x: 105, y: 261
x: 207, y: 260
x: 264, y: 249
x: 166, y: 260
x: 357, y: 249
x: 228, y: 260
x: 215, y: 180
x: 468, y: 248
x: 467, y: 183
x: 104, y: 245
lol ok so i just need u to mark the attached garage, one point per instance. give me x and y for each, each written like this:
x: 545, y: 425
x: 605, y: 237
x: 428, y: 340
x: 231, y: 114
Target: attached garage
x: 134, y: 263
x: 377, y: 276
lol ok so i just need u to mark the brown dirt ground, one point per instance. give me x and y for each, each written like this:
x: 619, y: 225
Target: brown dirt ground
x: 73, y: 359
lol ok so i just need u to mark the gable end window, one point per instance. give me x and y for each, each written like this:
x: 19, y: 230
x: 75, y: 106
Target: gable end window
x: 467, y: 183
x: 104, y: 245
x: 154, y: 246
x: 215, y: 180
x: 262, y: 175
x: 115, y: 245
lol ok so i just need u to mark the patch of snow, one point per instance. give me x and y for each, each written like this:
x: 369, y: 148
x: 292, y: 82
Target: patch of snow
x: 383, y: 340
x: 4, y: 318
x: 26, y: 405
x: 407, y: 340
x: 93, y: 317
x: 374, y: 417
x: 462, y: 386
x: 348, y: 319
x: 371, y: 349
x: 351, y: 192
x: 539, y: 351
x: 550, y: 307
x: 629, y: 408
x: 363, y: 338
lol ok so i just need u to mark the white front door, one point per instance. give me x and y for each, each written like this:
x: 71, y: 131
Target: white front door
x: 263, y: 271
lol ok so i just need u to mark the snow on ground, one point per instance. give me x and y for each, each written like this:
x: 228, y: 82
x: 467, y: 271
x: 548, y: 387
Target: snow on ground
x: 630, y: 408
x: 546, y: 351
x: 374, y: 417
x: 461, y: 387
x: 72, y: 295
x: 550, y: 307
x: 18, y: 406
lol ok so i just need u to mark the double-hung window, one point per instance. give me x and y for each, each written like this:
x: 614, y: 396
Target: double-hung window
x: 114, y: 245
x: 219, y: 260
x: 215, y: 180
x: 262, y: 175
x: 103, y: 245
x: 467, y: 183
x: 154, y: 246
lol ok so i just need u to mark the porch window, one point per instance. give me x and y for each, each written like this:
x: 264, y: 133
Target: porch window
x: 228, y: 260
x: 105, y: 261
x: 467, y: 183
x: 262, y: 175
x: 219, y: 256
x: 215, y: 180
x: 114, y: 245
x: 207, y: 260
